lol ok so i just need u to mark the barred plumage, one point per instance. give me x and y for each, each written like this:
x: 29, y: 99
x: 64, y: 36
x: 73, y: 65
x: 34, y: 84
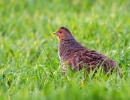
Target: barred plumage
x: 76, y: 56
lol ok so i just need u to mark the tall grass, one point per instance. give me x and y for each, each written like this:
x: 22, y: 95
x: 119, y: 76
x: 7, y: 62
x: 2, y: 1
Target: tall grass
x: 29, y: 64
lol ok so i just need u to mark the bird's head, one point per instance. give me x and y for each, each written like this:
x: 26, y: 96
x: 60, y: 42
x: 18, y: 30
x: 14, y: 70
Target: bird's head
x: 63, y: 33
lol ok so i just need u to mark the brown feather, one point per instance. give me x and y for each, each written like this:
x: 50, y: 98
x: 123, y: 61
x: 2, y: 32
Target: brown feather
x: 76, y: 56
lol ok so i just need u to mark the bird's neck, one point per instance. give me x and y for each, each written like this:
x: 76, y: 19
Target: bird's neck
x: 68, y: 47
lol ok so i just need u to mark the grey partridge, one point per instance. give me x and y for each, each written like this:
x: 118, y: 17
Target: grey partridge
x: 77, y: 57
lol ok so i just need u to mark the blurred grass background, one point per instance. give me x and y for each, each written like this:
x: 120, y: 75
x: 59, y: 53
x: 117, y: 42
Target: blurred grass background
x: 29, y: 64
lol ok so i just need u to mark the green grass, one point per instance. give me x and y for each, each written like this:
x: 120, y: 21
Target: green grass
x: 29, y: 64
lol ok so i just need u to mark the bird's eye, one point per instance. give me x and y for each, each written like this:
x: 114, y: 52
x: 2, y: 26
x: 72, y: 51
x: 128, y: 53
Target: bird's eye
x: 60, y: 32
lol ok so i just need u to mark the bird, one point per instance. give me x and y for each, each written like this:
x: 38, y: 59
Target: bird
x: 71, y: 53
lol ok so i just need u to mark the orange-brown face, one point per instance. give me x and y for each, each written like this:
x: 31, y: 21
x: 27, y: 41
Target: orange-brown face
x: 62, y: 33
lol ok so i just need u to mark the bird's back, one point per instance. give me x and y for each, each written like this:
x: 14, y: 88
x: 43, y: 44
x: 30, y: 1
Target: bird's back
x: 90, y: 60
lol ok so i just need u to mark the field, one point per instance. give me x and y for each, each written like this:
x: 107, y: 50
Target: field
x: 29, y: 63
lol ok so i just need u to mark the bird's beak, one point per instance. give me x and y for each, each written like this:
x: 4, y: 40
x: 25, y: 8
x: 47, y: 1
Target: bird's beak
x: 54, y: 32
